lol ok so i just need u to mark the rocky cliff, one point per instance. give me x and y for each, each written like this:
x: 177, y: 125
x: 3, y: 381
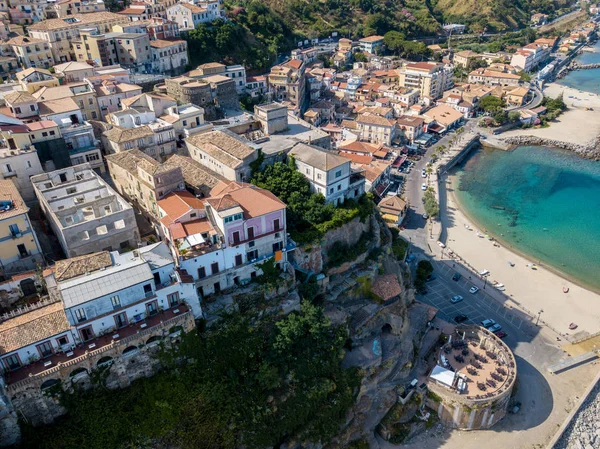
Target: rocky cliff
x: 590, y: 150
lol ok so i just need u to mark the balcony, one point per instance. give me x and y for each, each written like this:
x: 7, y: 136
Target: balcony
x: 123, y: 336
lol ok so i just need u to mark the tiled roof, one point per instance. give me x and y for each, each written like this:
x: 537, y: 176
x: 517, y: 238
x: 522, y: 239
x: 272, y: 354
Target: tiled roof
x: 19, y: 97
x: 224, y: 147
x: 359, y: 147
x: 373, y: 119
x: 194, y: 173
x: 386, y: 287
x: 32, y: 327
x: 119, y: 135
x: 78, y: 266
x: 193, y: 8
x: 43, y: 124
x: 48, y: 107
x: 130, y: 160
x: 177, y: 204
x: 371, y: 39
x: 253, y: 200
x: 25, y: 40
x: 76, y: 20
x: 163, y: 43
x: 71, y: 66
x: 317, y: 157
x: 9, y: 192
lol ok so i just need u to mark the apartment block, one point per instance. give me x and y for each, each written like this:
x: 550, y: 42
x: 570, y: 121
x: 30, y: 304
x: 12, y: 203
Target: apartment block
x: 33, y: 79
x: 287, y: 84
x: 19, y: 246
x: 429, y: 78
x: 31, y: 52
x: 236, y: 72
x: 169, y: 56
x: 19, y: 164
x: 220, y: 240
x: 224, y: 153
x: 85, y: 213
x: 371, y: 44
x: 59, y: 33
x: 143, y: 180
x: 328, y: 174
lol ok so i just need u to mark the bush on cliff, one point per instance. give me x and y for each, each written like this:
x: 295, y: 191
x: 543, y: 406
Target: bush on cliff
x: 245, y: 383
x: 309, y: 217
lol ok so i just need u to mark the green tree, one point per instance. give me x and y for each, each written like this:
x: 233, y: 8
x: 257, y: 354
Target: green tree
x: 491, y: 104
x: 500, y: 117
x: 360, y: 57
x: 514, y: 116
x: 395, y: 41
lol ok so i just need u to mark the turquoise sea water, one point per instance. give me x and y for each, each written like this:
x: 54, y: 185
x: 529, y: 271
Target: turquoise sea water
x: 545, y: 202
x: 586, y: 80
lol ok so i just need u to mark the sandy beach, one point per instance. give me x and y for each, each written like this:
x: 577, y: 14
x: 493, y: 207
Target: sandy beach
x: 576, y: 125
x: 528, y: 289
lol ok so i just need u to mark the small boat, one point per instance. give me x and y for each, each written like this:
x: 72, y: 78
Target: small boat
x: 511, y: 264
x: 572, y: 326
x: 499, y: 286
x: 565, y: 289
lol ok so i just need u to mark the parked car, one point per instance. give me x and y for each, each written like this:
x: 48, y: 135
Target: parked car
x: 495, y: 328
x: 501, y: 334
x: 488, y: 323
x: 456, y: 299
x: 461, y: 318
x: 425, y: 216
x: 473, y: 289
x: 424, y: 187
x: 431, y: 277
x: 484, y: 272
x: 456, y: 277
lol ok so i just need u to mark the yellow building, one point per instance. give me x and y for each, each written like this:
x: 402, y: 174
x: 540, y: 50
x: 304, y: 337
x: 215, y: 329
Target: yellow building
x: 19, y: 246
x: 32, y: 80
x: 32, y: 52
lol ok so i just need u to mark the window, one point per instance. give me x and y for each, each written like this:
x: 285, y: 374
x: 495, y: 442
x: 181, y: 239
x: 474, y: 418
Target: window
x: 308, y: 171
x: 319, y: 176
x: 331, y: 190
x: 236, y: 237
x: 120, y: 320
x: 214, y: 267
x: 17, y: 110
x: 339, y: 187
x: 12, y: 362
x: 115, y: 301
x: 201, y: 273
x: 173, y: 299
x: 29, y: 164
x: 152, y: 308
x: 250, y: 233
x: 119, y: 224
x: 86, y: 333
x: 277, y: 246
x: 238, y: 260
x: 148, y: 290
x: 32, y: 108
x: 14, y: 229
x: 71, y: 190
x: 102, y: 230
x: 44, y: 134
x: 338, y: 173
x: 45, y: 349
x: 62, y: 341
x: 252, y: 255
x: 22, y: 251
x: 217, y: 287
x: 8, y: 168
x: 52, y: 133
x: 80, y: 315
x: 276, y: 225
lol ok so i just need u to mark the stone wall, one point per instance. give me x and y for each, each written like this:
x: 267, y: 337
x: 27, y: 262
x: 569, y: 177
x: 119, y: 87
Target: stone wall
x: 123, y: 360
x: 588, y: 151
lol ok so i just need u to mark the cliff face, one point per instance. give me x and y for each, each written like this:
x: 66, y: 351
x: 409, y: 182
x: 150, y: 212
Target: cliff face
x: 315, y: 257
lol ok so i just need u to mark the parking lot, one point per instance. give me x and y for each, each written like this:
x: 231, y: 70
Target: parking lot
x: 476, y: 307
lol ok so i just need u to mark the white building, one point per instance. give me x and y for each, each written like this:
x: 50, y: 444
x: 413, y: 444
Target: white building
x: 328, y: 174
x: 85, y: 213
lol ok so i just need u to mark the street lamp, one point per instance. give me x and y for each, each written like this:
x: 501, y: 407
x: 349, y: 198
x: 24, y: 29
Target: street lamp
x: 484, y: 281
x: 538, y: 318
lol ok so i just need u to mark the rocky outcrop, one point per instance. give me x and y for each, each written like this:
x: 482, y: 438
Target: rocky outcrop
x: 584, y: 430
x: 590, y: 150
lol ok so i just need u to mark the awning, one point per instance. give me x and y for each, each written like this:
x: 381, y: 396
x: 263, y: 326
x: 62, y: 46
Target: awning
x: 443, y: 375
x: 192, y: 240
x: 399, y: 161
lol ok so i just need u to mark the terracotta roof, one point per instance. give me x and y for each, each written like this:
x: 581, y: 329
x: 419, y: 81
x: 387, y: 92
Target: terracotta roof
x: 444, y: 114
x: 25, y: 40
x: 9, y: 192
x: 49, y: 107
x: 163, y: 43
x: 494, y: 74
x: 176, y: 204
x: 359, y: 147
x: 224, y: 147
x: 375, y: 169
x: 357, y: 158
x: 130, y: 160
x: 294, y: 63
x: 133, y: 11
x: 77, y: 20
x: 119, y: 135
x: 409, y: 120
x: 19, y: 97
x: 371, y: 38
x: 77, y: 266
x: 43, y: 124
x: 32, y: 327
x: 350, y: 124
x: 422, y: 65
x: 193, y: 8
x: 386, y: 287
x: 373, y: 119
x: 253, y: 200
x: 71, y: 66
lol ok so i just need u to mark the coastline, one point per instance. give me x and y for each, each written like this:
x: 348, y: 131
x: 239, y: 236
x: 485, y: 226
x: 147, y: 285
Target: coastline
x: 518, y: 252
x: 531, y: 290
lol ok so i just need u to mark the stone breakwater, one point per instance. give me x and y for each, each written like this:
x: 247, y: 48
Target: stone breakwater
x: 584, y: 430
x: 590, y: 150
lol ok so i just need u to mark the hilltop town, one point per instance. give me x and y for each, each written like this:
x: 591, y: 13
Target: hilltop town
x: 159, y: 217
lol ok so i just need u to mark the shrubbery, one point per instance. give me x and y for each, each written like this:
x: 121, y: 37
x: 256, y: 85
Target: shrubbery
x: 308, y: 216
x: 246, y: 382
x: 424, y: 269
